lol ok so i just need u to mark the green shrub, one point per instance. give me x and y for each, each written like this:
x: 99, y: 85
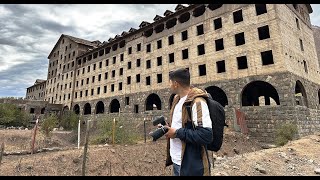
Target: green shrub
x: 124, y: 132
x: 69, y: 120
x: 11, y: 115
x: 285, y: 133
x: 48, y: 124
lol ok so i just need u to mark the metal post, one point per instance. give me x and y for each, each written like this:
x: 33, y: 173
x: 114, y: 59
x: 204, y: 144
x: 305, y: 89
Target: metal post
x: 113, y: 130
x: 145, y: 131
x: 79, y: 134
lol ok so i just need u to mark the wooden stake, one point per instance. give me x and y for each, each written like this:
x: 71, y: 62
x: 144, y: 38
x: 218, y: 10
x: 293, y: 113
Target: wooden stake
x: 1, y: 151
x: 85, y: 150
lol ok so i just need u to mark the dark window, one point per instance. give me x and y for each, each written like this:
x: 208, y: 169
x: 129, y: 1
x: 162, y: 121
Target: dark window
x: 261, y: 9
x: 185, y: 54
x: 77, y: 84
x: 159, y: 44
x: 219, y: 44
x: 267, y: 57
x: 201, y: 49
x: 113, y: 73
x: 81, y: 83
x: 104, y: 89
x: 112, y: 87
x: 120, y: 86
x: 137, y: 78
x: 148, y: 80
x: 129, y: 80
x: 148, y: 64
x: 138, y: 62
x: 92, y: 92
x: 217, y: 23
x: 305, y: 66
x: 221, y: 66
x: 139, y: 47
x: 200, y: 29
x: 159, y: 78
x: 129, y: 65
x: 202, y: 70
x: 240, y: 39
x: 93, y: 77
x: 129, y: 50
x: 86, y: 92
x: 89, y: 68
x: 171, y: 40
x: 171, y: 57
x: 237, y: 16
x: 87, y: 80
x: 121, y: 72
x: 136, y: 108
x: 114, y: 60
x: 100, y: 64
x: 301, y: 45
x: 121, y: 57
x: 297, y: 22
x: 184, y: 35
x: 98, y: 90
x: 106, y: 75
x: 80, y: 93
x: 76, y: 95
x: 242, y: 62
x: 107, y: 62
x: 149, y: 48
x: 99, y: 77
x: 127, y: 100
x: 263, y: 32
x: 94, y: 66
x: 159, y: 61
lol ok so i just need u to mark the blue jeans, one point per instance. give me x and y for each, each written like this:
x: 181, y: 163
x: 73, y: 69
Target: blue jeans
x: 176, y: 169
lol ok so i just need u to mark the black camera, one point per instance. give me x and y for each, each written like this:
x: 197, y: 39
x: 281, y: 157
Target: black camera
x: 161, y: 130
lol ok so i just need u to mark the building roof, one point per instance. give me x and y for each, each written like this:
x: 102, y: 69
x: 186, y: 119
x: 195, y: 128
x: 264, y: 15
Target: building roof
x: 76, y: 40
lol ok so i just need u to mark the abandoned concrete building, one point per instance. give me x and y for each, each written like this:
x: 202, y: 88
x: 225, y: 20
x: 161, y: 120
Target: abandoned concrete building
x: 259, y: 59
x: 37, y: 90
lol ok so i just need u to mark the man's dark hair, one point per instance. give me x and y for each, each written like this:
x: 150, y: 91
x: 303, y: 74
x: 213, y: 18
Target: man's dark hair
x: 182, y: 76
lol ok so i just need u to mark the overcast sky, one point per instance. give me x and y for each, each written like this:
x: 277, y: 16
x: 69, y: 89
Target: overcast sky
x: 29, y: 32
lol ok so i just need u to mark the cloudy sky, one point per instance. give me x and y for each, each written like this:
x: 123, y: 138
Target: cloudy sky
x: 29, y: 32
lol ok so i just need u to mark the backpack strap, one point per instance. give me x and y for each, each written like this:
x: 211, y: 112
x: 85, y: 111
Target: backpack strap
x: 189, y: 110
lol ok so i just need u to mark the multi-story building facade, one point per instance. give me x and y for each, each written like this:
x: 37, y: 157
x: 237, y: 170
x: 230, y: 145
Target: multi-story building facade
x: 37, y: 90
x: 259, y: 58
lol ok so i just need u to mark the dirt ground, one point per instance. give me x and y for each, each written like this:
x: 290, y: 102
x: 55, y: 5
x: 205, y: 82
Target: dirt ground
x: 239, y: 156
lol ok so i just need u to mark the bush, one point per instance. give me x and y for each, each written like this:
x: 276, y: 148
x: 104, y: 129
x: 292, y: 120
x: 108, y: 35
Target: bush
x: 69, y: 120
x: 48, y: 124
x: 124, y: 132
x: 11, y: 115
x: 285, y: 133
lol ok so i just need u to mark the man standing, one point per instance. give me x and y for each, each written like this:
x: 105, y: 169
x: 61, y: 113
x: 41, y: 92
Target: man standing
x: 188, y: 137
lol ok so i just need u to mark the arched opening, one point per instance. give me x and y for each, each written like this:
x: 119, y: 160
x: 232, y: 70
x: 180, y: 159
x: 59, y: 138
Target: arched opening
x: 300, y: 94
x: 43, y: 110
x: 114, y: 106
x: 65, y: 108
x: 115, y: 47
x: 87, y: 109
x: 213, y: 7
x: 184, y: 17
x: 199, y: 11
x: 259, y: 93
x: 170, y: 23
x: 171, y: 100
x: 100, y: 108
x: 153, y: 102
x: 76, y: 109
x: 218, y: 95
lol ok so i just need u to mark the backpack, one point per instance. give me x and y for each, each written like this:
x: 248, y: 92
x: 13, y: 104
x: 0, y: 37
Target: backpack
x: 218, y: 119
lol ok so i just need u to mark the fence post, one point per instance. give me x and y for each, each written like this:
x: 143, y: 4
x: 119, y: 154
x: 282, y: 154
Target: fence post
x: 34, y: 136
x: 79, y: 134
x: 145, y: 131
x: 113, y: 130
x: 1, y: 151
x: 85, y: 149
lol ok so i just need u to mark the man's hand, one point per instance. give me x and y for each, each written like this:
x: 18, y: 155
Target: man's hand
x: 171, y: 132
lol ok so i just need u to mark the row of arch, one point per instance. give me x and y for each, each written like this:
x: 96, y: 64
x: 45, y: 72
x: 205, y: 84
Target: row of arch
x: 256, y: 93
